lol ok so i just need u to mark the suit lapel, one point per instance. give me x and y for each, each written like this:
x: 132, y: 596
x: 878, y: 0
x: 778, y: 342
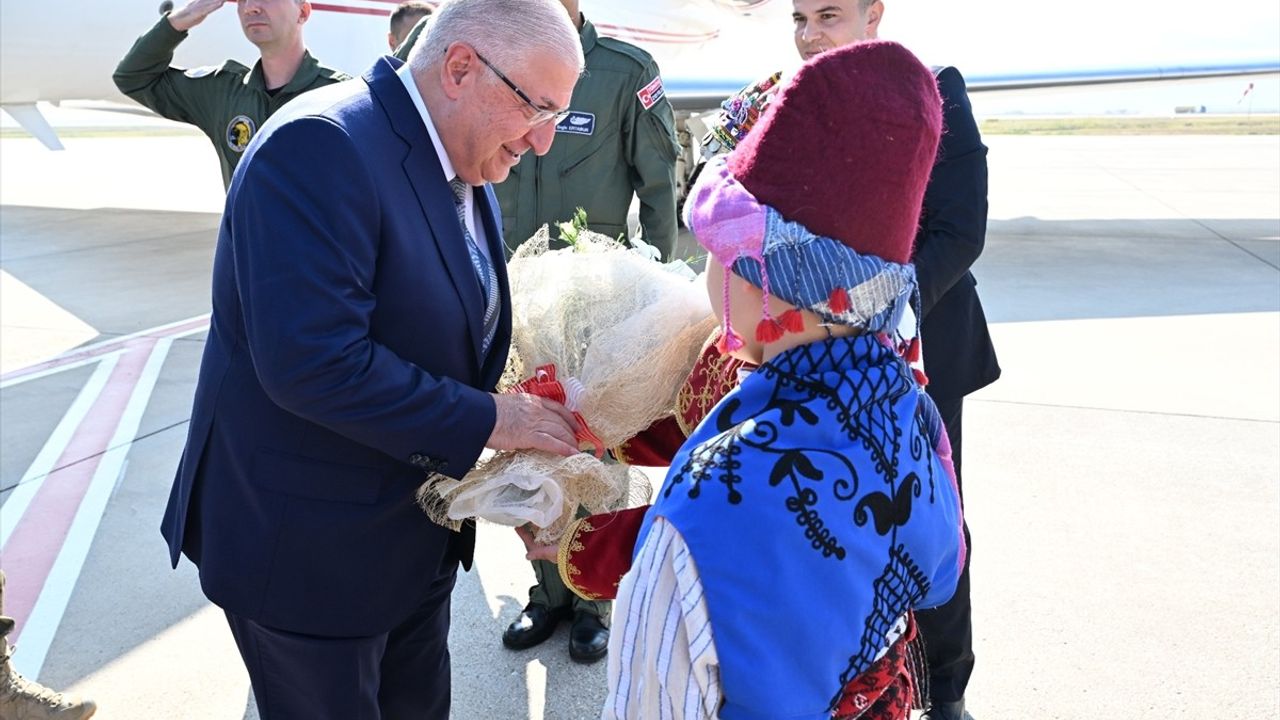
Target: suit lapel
x: 426, y: 176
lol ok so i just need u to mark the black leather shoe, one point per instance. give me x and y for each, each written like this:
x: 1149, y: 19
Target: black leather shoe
x: 588, y: 639
x: 535, y: 624
x: 947, y: 711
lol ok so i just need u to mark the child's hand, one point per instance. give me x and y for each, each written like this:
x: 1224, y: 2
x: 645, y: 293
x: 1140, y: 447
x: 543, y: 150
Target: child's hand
x: 533, y: 549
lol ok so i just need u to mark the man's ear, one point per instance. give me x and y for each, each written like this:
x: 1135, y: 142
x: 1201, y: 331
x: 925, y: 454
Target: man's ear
x: 459, y: 69
x: 304, y: 12
x: 874, y: 13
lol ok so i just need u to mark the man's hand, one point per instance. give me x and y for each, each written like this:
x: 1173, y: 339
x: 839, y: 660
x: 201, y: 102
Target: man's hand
x: 529, y: 422
x: 193, y: 13
x: 534, y: 550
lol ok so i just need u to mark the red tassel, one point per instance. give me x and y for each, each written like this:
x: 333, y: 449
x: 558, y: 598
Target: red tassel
x: 769, y: 330
x: 729, y: 341
x: 913, y: 351
x: 839, y: 301
x: 792, y: 321
x: 921, y: 378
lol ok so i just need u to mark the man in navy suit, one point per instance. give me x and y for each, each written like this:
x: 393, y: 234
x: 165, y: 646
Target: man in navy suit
x: 360, y: 324
x: 958, y: 355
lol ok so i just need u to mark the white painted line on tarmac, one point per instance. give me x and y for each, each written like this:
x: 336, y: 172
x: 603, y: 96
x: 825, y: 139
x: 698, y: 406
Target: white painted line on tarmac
x: 34, y: 477
x: 14, y: 507
x: 196, y: 330
x: 80, y: 356
x: 61, y: 368
x: 41, y: 625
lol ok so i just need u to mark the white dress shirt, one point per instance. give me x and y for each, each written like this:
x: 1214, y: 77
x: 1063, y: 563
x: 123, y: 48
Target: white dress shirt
x: 474, y: 225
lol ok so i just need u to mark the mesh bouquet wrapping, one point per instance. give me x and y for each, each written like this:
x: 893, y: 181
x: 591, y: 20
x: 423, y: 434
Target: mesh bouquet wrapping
x: 623, y: 331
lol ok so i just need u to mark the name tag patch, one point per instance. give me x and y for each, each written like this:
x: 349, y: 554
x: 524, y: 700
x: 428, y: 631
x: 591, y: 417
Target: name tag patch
x: 577, y: 123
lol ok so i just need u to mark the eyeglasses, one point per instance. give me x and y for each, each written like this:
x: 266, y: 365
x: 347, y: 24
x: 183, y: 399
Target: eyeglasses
x: 541, y: 116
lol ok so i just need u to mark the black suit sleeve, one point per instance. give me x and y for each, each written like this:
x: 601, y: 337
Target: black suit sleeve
x: 953, y: 224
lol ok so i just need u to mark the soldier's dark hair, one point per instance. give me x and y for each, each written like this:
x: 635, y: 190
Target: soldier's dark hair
x: 407, y: 14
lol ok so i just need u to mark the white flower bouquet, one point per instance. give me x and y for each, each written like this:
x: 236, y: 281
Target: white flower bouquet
x: 614, y: 333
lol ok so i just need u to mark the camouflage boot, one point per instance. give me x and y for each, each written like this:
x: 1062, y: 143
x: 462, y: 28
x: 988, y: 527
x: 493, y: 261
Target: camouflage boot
x: 21, y: 699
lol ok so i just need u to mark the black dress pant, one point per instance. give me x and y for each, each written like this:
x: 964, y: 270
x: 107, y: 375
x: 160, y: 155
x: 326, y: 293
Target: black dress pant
x: 947, y: 630
x: 397, y: 675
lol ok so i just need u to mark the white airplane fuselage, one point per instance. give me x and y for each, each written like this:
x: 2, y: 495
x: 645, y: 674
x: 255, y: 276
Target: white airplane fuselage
x: 705, y: 49
x: 67, y: 50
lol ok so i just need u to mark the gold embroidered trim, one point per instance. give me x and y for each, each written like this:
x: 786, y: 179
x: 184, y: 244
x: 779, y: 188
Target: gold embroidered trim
x: 570, y: 544
x: 719, y: 376
x: 620, y: 454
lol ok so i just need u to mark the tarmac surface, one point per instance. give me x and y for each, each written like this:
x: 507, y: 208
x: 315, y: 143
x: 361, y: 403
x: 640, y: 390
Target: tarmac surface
x: 1122, y: 478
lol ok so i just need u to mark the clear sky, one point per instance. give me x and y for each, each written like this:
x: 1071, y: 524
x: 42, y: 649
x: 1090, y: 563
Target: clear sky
x: 1037, y: 35
x: 1004, y: 37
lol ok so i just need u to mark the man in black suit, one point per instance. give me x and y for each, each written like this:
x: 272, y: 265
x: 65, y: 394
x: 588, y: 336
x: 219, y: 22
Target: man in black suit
x: 360, y: 324
x: 958, y: 354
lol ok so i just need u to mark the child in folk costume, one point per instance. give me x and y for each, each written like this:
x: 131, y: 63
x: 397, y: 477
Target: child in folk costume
x: 814, y: 507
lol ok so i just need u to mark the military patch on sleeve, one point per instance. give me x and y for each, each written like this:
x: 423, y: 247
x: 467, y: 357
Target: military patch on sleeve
x: 200, y: 72
x: 650, y: 94
x: 239, y: 132
x: 577, y: 123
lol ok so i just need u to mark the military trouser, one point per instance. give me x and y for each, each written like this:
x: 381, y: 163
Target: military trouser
x: 551, y: 592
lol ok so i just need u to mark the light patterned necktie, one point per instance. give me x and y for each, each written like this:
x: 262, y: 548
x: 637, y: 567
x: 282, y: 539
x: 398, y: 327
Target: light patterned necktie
x: 484, y: 269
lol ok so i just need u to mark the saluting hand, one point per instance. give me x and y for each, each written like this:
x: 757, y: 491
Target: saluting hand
x: 529, y: 422
x: 193, y: 13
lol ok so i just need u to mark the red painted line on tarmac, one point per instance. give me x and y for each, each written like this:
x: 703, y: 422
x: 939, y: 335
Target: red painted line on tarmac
x: 37, y: 540
x: 105, y: 348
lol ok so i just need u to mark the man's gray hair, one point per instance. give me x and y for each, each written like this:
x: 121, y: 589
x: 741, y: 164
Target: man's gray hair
x: 506, y: 32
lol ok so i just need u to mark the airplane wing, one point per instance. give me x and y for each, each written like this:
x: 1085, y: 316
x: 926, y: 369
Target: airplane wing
x: 707, y: 49
x: 696, y: 95
x: 1114, y: 75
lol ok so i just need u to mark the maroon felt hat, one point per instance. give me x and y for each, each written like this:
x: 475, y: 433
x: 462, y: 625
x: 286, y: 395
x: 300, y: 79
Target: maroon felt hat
x: 857, y: 175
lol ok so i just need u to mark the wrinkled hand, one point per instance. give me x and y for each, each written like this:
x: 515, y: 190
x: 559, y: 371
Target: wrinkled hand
x: 529, y: 422
x: 533, y: 549
x: 193, y: 13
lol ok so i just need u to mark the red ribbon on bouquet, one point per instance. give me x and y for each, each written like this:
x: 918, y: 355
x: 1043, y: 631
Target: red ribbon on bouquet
x: 544, y: 384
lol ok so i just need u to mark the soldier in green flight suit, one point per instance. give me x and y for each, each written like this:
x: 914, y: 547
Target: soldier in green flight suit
x: 229, y: 102
x: 618, y: 141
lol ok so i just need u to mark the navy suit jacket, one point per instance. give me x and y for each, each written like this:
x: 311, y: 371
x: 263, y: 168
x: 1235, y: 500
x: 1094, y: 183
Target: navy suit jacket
x: 958, y: 355
x: 343, y: 363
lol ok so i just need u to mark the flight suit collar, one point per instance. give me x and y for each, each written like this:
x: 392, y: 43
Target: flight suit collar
x: 308, y: 71
x: 588, y: 35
